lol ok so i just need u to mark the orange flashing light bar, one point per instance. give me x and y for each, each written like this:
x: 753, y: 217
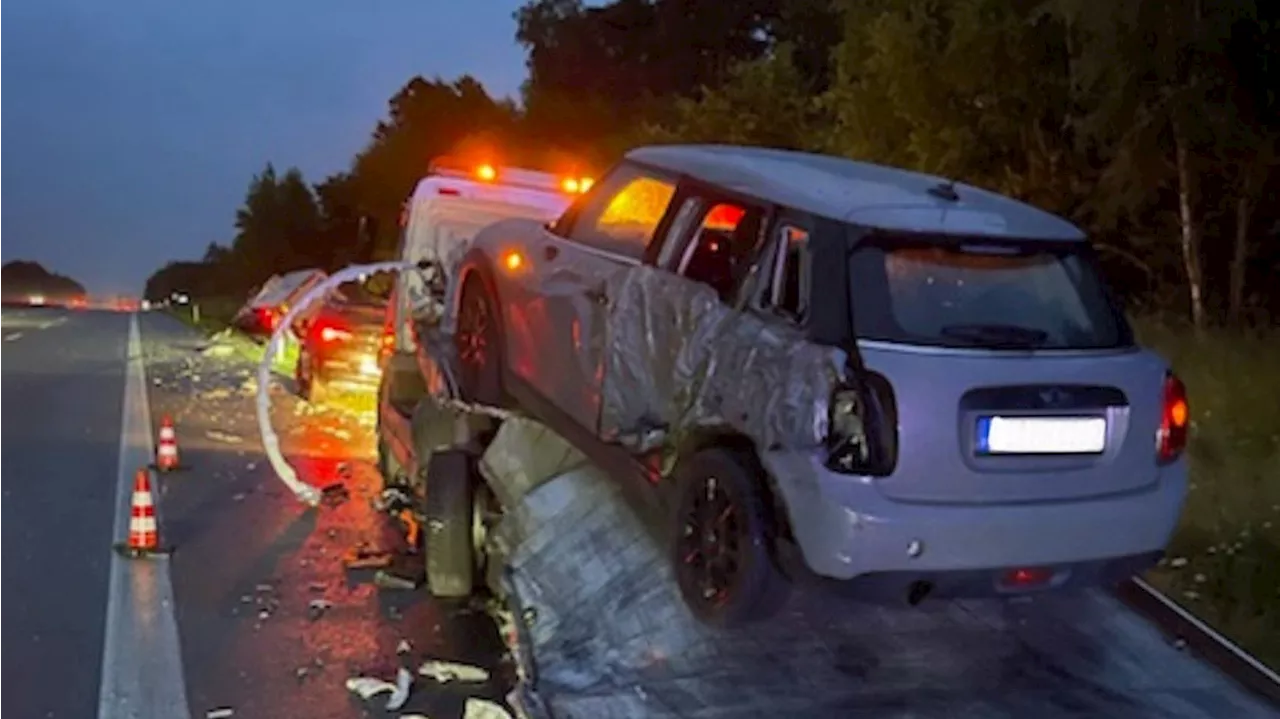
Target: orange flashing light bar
x: 490, y: 173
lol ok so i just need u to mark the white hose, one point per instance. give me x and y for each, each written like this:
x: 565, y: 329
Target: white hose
x: 270, y: 441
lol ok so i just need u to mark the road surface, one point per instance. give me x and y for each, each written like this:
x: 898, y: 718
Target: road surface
x: 226, y: 622
x: 248, y: 561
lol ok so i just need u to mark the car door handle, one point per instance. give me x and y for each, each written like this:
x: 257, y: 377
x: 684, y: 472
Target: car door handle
x: 550, y: 252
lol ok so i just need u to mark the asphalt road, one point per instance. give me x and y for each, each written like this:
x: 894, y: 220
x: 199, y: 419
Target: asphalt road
x: 249, y: 560
x: 63, y: 383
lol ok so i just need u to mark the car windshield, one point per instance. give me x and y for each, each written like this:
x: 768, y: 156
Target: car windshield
x: 979, y: 293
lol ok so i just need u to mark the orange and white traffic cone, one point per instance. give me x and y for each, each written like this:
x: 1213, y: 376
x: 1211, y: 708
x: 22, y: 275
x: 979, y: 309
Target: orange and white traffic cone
x: 167, y: 446
x: 144, y: 531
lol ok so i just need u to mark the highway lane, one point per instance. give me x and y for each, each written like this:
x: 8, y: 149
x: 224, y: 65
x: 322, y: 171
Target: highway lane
x: 250, y: 559
x: 63, y: 379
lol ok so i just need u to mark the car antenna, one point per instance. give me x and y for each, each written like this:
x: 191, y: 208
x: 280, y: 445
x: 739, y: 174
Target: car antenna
x: 945, y: 191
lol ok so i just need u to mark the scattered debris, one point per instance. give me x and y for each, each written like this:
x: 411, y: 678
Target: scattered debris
x: 217, y: 436
x: 484, y: 709
x: 404, y: 680
x: 368, y: 687
x: 317, y: 607
x: 301, y: 673
x: 445, y: 672
x: 404, y: 647
x: 388, y: 580
x: 317, y: 586
x: 216, y: 393
x: 238, y: 496
x: 335, y: 494
x: 363, y: 558
x: 220, y: 713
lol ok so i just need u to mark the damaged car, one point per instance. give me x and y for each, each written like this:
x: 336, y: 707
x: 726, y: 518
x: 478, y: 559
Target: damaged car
x: 811, y: 369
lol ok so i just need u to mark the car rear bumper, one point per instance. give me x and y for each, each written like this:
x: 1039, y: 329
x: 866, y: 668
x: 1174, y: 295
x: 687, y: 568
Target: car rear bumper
x: 846, y: 529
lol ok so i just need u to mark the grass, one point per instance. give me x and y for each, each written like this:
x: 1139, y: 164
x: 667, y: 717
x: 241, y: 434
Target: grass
x: 1224, y: 561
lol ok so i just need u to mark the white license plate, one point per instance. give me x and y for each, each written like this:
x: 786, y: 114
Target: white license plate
x: 1041, y: 435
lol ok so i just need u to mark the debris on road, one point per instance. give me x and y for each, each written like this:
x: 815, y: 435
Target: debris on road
x: 404, y: 647
x: 221, y: 713
x: 335, y: 494
x: 369, y: 687
x: 388, y: 580
x: 484, y: 709
x: 364, y: 558
x: 218, y: 436
x: 317, y: 607
x: 216, y: 394
x: 445, y: 672
x: 404, y: 680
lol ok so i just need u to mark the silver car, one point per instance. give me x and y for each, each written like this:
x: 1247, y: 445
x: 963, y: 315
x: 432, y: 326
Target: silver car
x: 813, y: 368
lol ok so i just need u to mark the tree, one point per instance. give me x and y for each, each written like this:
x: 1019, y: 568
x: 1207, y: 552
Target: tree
x: 21, y: 279
x: 1149, y: 76
x: 426, y: 120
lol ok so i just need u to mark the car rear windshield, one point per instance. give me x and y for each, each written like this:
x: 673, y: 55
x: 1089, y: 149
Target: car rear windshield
x: 979, y: 293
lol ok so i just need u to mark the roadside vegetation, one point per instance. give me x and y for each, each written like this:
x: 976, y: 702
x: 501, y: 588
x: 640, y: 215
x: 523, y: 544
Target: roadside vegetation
x: 1153, y: 125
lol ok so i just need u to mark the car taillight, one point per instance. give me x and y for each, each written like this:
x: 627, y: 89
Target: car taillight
x: 1175, y: 420
x: 267, y: 318
x: 862, y: 429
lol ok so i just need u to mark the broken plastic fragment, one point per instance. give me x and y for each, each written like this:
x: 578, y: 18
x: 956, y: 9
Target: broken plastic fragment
x: 404, y: 680
x: 445, y: 672
x: 317, y: 607
x: 484, y: 709
x: 368, y: 687
x: 221, y: 713
x: 387, y: 580
x: 223, y: 437
x: 404, y: 647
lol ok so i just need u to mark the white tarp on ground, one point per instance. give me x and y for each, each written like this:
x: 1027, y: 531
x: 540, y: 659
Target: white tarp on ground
x: 608, y: 636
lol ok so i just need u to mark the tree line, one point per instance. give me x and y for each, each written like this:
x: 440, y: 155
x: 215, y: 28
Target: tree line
x: 1154, y: 124
x: 22, y: 279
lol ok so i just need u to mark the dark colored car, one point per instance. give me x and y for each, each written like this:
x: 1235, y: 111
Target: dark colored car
x: 340, y: 344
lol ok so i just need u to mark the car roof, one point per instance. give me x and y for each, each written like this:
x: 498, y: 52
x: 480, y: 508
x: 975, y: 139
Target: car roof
x: 857, y: 192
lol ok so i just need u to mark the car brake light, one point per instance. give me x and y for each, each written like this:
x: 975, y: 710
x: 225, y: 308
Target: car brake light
x: 1026, y: 577
x: 1175, y: 420
x: 267, y: 318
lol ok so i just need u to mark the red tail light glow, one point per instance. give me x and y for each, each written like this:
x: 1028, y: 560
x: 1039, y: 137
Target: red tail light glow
x: 1026, y: 577
x: 1175, y: 421
x: 267, y: 318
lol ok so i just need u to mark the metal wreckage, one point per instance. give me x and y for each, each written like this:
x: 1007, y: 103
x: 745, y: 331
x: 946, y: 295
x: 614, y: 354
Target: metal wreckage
x: 594, y: 618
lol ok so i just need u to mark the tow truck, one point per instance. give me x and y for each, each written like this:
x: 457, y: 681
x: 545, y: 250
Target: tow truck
x: 597, y: 622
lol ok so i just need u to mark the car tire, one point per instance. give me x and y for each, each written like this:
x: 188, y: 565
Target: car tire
x: 716, y: 489
x: 449, y: 509
x: 477, y: 342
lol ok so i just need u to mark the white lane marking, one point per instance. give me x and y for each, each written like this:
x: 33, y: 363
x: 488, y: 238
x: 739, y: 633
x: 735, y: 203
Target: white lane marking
x: 12, y: 336
x: 1207, y: 630
x: 141, y: 659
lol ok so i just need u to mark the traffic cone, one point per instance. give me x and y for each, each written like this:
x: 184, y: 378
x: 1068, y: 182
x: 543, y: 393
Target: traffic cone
x: 167, y: 446
x: 144, y: 531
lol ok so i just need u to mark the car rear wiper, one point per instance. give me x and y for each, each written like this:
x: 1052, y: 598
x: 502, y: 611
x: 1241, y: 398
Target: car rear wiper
x: 997, y: 336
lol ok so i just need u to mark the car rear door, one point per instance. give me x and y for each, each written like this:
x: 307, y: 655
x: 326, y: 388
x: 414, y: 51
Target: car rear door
x: 607, y: 233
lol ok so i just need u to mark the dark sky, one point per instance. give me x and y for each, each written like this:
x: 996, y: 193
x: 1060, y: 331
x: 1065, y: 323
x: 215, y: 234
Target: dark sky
x: 134, y: 126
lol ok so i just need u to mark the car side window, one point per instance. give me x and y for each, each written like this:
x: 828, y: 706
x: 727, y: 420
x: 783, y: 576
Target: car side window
x: 786, y: 287
x: 623, y: 212
x: 718, y: 249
